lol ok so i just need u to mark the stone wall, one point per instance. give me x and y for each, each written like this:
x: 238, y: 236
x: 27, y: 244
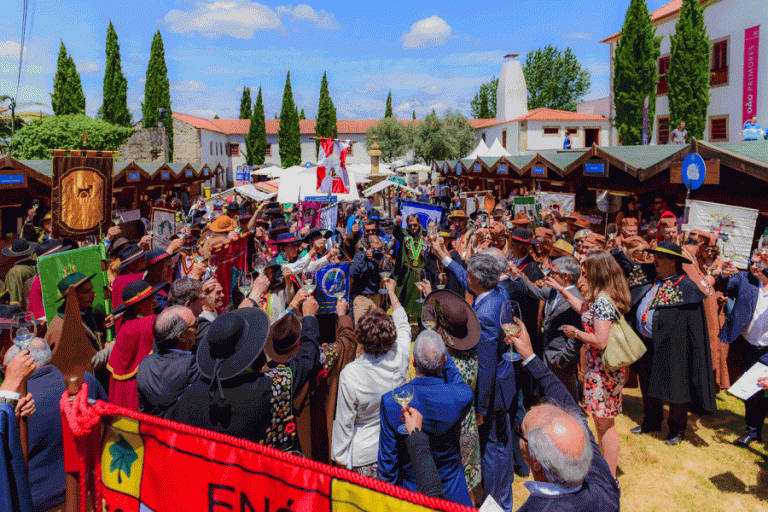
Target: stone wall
x: 186, y: 142
x: 145, y: 145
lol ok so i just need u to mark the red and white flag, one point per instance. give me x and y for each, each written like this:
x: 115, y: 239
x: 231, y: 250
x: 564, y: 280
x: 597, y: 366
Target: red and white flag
x: 327, y: 180
x: 324, y: 183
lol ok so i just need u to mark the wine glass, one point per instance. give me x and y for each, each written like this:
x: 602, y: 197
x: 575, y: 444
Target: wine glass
x: 116, y: 217
x: 419, y: 276
x: 611, y: 231
x: 385, y: 271
x: 259, y: 264
x: 308, y: 281
x: 510, y: 310
x: 442, y: 278
x: 428, y: 318
x: 403, y: 395
x: 245, y: 283
x: 25, y: 327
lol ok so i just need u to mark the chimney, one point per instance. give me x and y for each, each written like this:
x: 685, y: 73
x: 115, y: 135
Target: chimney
x: 512, y: 94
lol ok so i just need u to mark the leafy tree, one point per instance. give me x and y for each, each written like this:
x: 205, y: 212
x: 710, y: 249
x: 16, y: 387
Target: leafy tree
x: 216, y: 116
x: 157, y: 92
x: 555, y: 79
x: 484, y: 102
x: 461, y: 135
x: 634, y: 75
x: 388, y: 109
x: 289, y: 131
x: 323, y: 126
x: 245, y: 104
x: 414, y: 114
x: 256, y: 139
x: 688, y: 74
x: 115, y: 107
x: 67, y: 97
x: 332, y: 122
x: 34, y: 140
x: 302, y: 116
x: 392, y: 136
x: 450, y: 138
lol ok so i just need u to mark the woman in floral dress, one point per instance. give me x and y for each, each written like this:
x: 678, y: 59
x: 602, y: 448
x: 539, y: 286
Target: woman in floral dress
x: 606, y: 296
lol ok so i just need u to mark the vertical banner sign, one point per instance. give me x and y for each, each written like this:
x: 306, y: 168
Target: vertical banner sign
x: 230, y: 258
x: 751, y: 53
x: 645, y: 121
x: 81, y: 194
x: 733, y: 225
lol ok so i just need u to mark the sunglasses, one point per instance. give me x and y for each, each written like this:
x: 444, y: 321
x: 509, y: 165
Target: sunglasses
x: 370, y: 230
x: 413, y: 225
x: 518, y: 431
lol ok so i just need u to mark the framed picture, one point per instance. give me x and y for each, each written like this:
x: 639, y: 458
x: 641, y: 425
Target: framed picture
x: 163, y: 227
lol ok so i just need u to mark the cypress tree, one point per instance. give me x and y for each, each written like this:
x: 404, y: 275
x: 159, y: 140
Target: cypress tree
x: 484, y: 113
x: 302, y: 116
x: 688, y: 74
x: 289, y: 132
x: 67, y: 97
x: 332, y: 122
x: 323, y: 121
x: 388, y: 109
x: 245, y: 104
x: 115, y: 106
x: 414, y: 114
x: 157, y: 91
x: 635, y: 77
x: 256, y: 139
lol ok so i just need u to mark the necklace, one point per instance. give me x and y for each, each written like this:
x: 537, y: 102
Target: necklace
x: 664, y: 283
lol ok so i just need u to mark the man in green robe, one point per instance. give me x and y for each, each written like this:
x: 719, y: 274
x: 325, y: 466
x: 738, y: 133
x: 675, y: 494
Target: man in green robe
x: 411, y: 258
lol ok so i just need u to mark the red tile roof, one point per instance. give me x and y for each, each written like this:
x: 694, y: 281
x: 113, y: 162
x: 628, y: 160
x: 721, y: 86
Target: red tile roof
x: 662, y: 13
x: 307, y: 126
x: 542, y: 114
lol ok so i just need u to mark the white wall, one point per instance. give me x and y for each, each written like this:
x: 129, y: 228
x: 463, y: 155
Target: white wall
x: 359, y: 153
x: 495, y: 132
x: 537, y: 141
x: 219, y: 154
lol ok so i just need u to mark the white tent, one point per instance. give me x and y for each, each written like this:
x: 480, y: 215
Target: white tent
x: 497, y: 150
x: 383, y: 185
x: 295, y: 187
x: 272, y: 170
x: 480, y: 150
x: 415, y: 168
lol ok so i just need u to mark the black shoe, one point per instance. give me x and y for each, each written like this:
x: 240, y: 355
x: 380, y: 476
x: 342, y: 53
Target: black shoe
x: 522, y: 471
x: 674, y: 440
x: 745, y: 440
x: 643, y: 430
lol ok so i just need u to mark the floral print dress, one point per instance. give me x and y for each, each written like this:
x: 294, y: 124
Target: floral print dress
x: 602, y: 388
x: 469, y: 440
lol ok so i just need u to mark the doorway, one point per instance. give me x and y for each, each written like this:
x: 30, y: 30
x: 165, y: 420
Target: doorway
x: 591, y: 136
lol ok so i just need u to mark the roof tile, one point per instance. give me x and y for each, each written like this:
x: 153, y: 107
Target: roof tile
x: 660, y: 14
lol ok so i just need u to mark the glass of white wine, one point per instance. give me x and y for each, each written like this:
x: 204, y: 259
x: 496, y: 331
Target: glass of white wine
x: 385, y: 271
x: 428, y: 318
x: 308, y: 281
x: 441, y: 280
x: 509, y: 312
x: 245, y: 284
x: 259, y: 264
x: 419, y: 276
x: 25, y: 328
x: 403, y: 395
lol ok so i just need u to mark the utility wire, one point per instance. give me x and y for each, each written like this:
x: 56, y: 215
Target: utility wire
x: 21, y: 51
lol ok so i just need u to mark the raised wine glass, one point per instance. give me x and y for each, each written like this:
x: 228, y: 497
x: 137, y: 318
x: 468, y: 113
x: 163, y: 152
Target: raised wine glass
x: 385, y: 271
x: 510, y: 310
x: 245, y: 284
x: 308, y: 281
x: 419, y: 276
x: 403, y: 395
x: 25, y: 328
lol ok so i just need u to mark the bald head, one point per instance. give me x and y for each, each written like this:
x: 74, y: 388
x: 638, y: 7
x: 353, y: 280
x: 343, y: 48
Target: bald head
x: 170, y: 325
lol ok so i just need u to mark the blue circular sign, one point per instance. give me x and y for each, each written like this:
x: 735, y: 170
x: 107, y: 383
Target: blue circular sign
x: 308, y: 165
x: 694, y: 171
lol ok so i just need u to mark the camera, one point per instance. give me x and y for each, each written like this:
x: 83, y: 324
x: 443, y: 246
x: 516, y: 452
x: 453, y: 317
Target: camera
x: 377, y: 254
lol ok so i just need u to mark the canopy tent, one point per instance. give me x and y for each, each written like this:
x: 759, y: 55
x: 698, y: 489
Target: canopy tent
x: 496, y: 150
x: 248, y: 191
x: 365, y: 169
x: 480, y: 150
x: 272, y: 170
x: 300, y: 185
x: 415, y: 168
x: 386, y: 184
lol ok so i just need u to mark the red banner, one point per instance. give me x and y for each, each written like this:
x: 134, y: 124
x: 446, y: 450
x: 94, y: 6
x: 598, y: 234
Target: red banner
x: 751, y: 65
x: 231, y: 258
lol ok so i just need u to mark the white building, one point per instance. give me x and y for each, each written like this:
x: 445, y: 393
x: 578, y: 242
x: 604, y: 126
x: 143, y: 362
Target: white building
x: 737, y: 29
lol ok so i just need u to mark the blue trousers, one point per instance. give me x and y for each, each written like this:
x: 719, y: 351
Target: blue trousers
x: 496, y: 442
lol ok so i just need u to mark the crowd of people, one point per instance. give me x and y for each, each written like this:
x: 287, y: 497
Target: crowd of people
x: 466, y: 350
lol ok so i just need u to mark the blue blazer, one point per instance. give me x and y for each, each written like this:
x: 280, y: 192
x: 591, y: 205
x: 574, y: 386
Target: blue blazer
x: 744, y: 287
x: 496, y: 386
x: 443, y: 403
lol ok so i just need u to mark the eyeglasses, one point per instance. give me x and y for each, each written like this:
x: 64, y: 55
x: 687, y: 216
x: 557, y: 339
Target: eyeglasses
x: 518, y: 431
x: 370, y: 230
x: 413, y: 225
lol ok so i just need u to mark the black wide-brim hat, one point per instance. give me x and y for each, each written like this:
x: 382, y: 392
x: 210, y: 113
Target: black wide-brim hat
x: 19, y: 247
x: 671, y: 250
x: 128, y: 255
x: 457, y: 322
x: 235, y: 340
x: 317, y: 233
x: 137, y: 292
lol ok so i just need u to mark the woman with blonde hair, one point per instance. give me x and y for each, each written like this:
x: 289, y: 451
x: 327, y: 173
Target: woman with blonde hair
x: 606, y: 297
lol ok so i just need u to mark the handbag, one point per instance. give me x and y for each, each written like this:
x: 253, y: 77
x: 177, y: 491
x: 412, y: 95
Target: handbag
x: 624, y: 345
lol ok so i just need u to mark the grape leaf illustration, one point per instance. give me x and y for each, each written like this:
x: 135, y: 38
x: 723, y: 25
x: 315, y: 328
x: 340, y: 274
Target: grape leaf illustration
x: 123, y: 457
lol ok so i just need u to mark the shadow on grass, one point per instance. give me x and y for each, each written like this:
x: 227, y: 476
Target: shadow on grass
x: 728, y: 482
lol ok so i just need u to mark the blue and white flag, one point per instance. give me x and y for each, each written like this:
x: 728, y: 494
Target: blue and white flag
x: 426, y: 213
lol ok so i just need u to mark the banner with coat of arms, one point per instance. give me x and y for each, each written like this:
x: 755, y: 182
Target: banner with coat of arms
x: 733, y: 225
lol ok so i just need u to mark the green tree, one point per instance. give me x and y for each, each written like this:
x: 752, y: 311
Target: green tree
x: 216, y: 116
x: 289, y: 131
x: 555, y: 79
x: 67, y: 97
x: 157, y: 92
x: 688, y: 74
x: 634, y: 75
x: 388, y: 109
x: 414, y: 114
x: 460, y: 134
x: 66, y: 131
x: 256, y: 139
x: 449, y: 138
x: 114, y: 109
x: 392, y: 136
x: 332, y: 122
x: 323, y: 126
x: 245, y: 104
x: 484, y: 102
x: 302, y: 116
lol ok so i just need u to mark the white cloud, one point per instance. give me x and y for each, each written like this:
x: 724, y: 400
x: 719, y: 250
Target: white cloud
x: 86, y: 67
x: 433, y: 90
x: 204, y: 113
x: 9, y: 48
x: 407, y: 106
x: 188, y: 86
x: 370, y: 88
x: 596, y: 67
x: 322, y: 19
x: 242, y: 18
x: 428, y: 32
x: 579, y: 35
x: 216, y: 70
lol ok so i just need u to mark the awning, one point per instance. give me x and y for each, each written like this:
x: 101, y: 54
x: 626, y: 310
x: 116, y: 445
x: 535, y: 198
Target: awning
x: 254, y: 193
x: 383, y: 185
x: 267, y: 187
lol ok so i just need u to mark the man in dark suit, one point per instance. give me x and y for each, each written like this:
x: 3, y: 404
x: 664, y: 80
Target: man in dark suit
x: 495, y: 395
x: 443, y: 401
x: 746, y: 329
x: 561, y: 353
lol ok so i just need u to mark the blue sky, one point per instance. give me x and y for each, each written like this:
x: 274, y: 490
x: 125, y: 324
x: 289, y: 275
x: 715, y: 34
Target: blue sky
x: 430, y: 54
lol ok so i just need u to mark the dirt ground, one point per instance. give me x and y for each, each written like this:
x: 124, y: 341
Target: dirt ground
x: 704, y: 473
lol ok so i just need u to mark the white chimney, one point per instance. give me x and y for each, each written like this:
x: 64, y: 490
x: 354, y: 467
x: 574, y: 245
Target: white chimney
x: 512, y: 94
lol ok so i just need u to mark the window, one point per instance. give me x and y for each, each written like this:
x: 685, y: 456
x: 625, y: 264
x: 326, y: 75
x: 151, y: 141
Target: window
x: 719, y: 63
x: 483, y: 136
x: 504, y: 138
x: 574, y: 131
x: 211, y: 151
x: 351, y: 150
x: 551, y: 130
x: 663, y: 131
x: 221, y: 148
x: 662, y: 87
x: 718, y: 128
x: 269, y: 150
x: 233, y: 149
